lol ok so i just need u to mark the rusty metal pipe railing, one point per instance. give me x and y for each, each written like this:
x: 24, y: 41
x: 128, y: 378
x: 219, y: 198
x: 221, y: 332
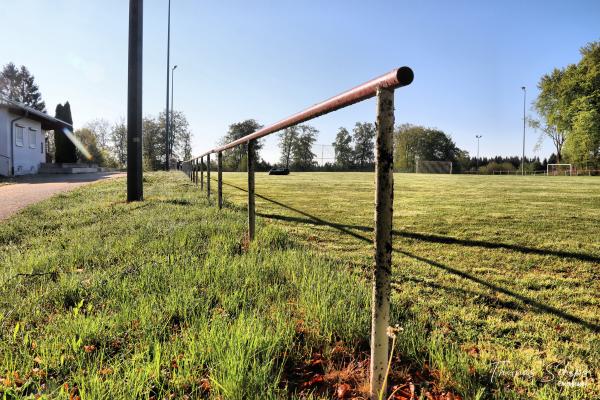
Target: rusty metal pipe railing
x: 382, y: 87
x: 396, y: 78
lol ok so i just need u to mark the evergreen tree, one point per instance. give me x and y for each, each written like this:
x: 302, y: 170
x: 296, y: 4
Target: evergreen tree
x: 19, y: 85
x: 65, y: 149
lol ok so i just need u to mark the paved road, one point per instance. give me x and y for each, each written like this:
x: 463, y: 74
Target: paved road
x: 31, y: 189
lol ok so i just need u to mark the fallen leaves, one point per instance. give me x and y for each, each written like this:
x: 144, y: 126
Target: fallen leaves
x: 343, y: 391
x: 341, y: 373
x: 89, y: 348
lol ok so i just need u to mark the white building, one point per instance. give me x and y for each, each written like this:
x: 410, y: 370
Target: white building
x: 23, y: 137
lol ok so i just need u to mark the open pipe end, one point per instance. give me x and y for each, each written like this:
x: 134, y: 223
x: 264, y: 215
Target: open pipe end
x: 405, y: 76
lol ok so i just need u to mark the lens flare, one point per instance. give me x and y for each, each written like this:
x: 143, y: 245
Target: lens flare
x: 77, y: 143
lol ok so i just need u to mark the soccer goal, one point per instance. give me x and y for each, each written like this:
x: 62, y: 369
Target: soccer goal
x: 434, y: 167
x: 559, y: 169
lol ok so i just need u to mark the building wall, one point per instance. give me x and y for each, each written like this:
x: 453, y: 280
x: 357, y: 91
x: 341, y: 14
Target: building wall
x: 4, y: 143
x: 28, y: 144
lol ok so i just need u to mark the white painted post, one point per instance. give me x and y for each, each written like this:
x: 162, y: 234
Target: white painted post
x: 384, y: 197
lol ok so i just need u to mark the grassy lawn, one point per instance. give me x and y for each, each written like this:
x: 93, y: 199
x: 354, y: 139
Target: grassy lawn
x: 496, y: 284
x: 504, y: 269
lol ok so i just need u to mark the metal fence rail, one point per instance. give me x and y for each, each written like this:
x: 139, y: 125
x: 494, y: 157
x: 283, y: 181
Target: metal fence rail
x: 383, y: 87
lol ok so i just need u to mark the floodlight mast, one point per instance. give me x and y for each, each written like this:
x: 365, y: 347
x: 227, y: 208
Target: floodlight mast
x: 477, y: 160
x: 134, y: 102
x: 524, y: 121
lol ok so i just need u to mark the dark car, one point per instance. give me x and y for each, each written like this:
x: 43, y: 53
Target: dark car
x: 279, y: 171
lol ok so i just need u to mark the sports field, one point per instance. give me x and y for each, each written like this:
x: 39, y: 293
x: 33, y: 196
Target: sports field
x: 496, y: 290
x: 503, y: 268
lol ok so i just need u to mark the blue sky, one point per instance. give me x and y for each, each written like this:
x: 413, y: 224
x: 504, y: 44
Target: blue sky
x: 269, y: 59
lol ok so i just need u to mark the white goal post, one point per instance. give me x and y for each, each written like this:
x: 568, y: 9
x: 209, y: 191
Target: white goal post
x: 557, y: 169
x: 433, y: 167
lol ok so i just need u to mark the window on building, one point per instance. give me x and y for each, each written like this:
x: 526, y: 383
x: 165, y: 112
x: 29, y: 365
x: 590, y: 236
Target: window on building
x: 19, y: 136
x: 32, y: 138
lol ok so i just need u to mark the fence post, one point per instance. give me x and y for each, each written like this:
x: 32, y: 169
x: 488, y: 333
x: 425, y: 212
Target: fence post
x: 208, y: 176
x: 196, y: 171
x: 251, y: 215
x: 201, y: 173
x: 220, y: 179
x: 384, y: 197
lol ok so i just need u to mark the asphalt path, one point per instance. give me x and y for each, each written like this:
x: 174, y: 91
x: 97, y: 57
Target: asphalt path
x: 32, y: 189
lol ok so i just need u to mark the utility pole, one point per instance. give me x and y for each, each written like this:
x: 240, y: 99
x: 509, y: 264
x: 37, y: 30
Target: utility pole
x: 523, y: 158
x: 135, y: 189
x: 167, y: 155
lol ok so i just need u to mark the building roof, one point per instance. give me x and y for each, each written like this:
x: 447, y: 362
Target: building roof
x: 48, y: 122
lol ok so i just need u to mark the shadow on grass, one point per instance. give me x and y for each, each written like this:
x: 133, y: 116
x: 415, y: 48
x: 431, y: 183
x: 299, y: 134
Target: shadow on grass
x: 346, y: 229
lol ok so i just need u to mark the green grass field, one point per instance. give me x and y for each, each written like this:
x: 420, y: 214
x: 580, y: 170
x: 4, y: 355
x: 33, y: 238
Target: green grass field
x: 496, y: 289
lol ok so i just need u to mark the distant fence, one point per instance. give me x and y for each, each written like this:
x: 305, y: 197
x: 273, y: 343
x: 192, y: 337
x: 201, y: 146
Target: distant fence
x: 383, y: 87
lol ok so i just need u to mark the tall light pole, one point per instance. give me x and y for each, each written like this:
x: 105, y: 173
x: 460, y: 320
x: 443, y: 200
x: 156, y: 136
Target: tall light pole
x: 523, y: 158
x: 172, y: 124
x: 135, y: 188
x: 478, y: 137
x: 167, y: 155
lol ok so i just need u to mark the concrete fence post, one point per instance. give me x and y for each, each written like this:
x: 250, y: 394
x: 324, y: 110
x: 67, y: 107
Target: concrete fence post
x: 384, y: 197
x: 201, y: 173
x: 208, y: 176
x: 251, y: 214
x: 220, y: 179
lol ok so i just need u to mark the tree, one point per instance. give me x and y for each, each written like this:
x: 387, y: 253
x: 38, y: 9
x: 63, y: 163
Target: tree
x: 568, y: 103
x: 302, y: 157
x: 287, y: 139
x: 235, y: 158
x: 412, y: 142
x: 364, y: 135
x: 19, y: 85
x: 153, y: 144
x: 118, y: 141
x: 343, y: 149
x: 583, y: 82
x: 101, y: 129
x: 88, y: 139
x: 551, y: 107
x: 551, y: 131
x: 65, y: 151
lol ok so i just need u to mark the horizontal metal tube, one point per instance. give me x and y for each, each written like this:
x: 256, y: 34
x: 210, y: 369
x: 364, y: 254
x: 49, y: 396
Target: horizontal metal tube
x: 396, y: 78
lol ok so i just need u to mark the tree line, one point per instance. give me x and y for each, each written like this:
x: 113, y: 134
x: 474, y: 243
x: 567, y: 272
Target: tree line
x: 105, y: 143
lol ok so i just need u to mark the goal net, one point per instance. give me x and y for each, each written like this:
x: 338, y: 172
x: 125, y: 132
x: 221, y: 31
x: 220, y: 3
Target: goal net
x: 559, y: 169
x: 434, y: 167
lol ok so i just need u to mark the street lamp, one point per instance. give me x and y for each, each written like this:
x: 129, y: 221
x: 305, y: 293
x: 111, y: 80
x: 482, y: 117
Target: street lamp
x: 172, y: 124
x: 168, y: 70
x: 478, y: 137
x: 523, y: 158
